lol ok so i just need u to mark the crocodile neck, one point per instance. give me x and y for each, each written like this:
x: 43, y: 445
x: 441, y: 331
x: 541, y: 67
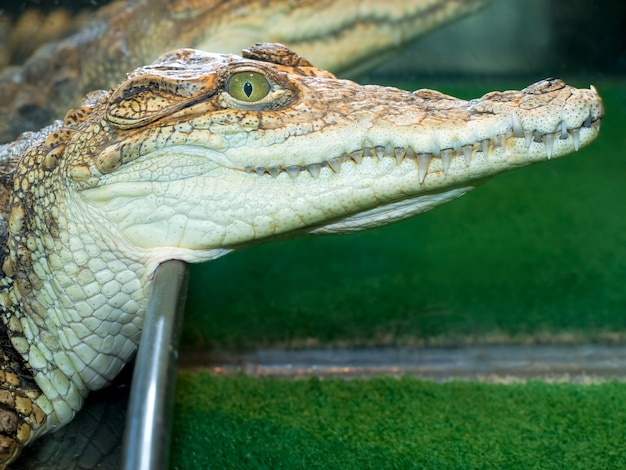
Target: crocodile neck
x: 69, y: 294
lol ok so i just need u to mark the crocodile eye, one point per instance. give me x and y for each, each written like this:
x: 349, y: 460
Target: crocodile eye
x: 248, y: 86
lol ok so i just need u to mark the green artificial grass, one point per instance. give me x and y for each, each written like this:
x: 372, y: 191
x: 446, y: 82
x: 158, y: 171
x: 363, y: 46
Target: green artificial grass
x: 536, y: 253
x: 384, y: 423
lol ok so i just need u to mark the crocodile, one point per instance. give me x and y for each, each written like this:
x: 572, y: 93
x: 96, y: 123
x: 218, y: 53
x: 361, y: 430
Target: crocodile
x: 202, y: 153
x: 24, y: 31
x: 340, y: 36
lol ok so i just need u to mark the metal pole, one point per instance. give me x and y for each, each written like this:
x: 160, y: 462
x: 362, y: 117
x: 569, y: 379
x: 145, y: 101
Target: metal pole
x: 148, y: 422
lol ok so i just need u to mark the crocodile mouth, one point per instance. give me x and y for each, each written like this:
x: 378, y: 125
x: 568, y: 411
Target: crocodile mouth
x: 573, y: 138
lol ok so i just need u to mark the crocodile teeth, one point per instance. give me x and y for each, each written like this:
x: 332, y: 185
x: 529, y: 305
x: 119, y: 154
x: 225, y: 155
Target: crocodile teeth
x: 335, y: 164
x: 576, y: 138
x: 399, y: 153
x: 357, y: 156
x: 423, y: 160
x: 410, y: 153
x: 314, y: 169
x: 518, y: 129
x: 548, y: 140
x: 564, y: 135
x: 484, y: 146
x: 445, y: 159
x: 446, y: 155
x: 528, y: 136
x: 274, y: 171
x: 293, y: 171
x: 380, y: 152
x: 467, y: 154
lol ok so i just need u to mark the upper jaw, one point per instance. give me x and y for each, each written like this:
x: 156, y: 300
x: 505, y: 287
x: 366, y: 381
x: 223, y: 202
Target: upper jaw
x: 546, y: 120
x: 443, y: 137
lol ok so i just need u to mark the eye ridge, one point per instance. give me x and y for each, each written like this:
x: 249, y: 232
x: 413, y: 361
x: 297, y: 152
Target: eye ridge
x: 248, y: 86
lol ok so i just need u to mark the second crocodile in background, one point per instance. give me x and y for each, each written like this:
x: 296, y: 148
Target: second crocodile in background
x: 201, y: 154
x: 350, y: 35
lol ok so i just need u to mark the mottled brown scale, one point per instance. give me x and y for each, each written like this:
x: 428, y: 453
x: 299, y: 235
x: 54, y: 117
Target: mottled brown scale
x: 275, y: 53
x: 76, y: 115
x: 20, y: 417
x: 51, y: 160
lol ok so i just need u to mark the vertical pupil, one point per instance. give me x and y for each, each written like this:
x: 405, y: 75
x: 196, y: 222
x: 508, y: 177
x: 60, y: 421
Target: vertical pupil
x: 247, y: 88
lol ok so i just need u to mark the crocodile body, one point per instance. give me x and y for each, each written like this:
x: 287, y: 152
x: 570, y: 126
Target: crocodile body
x: 200, y: 154
x: 21, y: 32
x: 123, y: 35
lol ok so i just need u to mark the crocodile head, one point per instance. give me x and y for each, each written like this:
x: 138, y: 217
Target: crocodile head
x: 200, y: 154
x: 203, y: 153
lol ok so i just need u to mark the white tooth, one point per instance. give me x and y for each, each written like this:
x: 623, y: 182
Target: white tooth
x: 548, y: 140
x: 484, y: 146
x: 380, y: 152
x: 357, y: 156
x: 293, y: 171
x: 335, y: 164
x: 457, y: 146
x: 274, y: 171
x: 576, y: 138
x: 528, y: 136
x: 367, y: 152
x: 564, y: 134
x: 249, y: 169
x: 388, y: 150
x: 499, y: 140
x: 518, y: 129
x: 445, y: 159
x: 593, y: 88
x: 399, y: 154
x: 467, y: 154
x: 260, y: 171
x: 422, y: 165
x: 410, y: 153
x: 314, y: 169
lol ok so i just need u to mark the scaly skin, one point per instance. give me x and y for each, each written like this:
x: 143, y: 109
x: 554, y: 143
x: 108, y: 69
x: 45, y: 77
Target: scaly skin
x: 21, y: 33
x: 339, y: 36
x: 201, y: 154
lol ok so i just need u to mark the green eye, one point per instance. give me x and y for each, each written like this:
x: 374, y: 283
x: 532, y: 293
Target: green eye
x: 248, y: 86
